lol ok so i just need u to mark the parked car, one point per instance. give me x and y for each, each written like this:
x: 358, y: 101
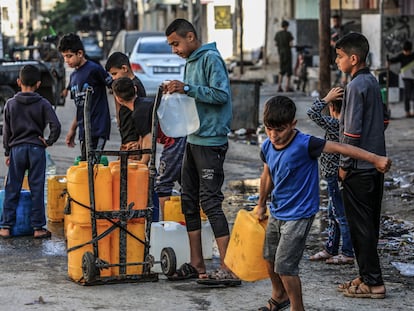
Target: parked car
x: 125, y: 40
x: 92, y: 48
x: 153, y: 62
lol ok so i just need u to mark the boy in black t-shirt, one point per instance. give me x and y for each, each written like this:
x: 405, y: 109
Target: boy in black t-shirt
x: 135, y: 126
x: 138, y: 126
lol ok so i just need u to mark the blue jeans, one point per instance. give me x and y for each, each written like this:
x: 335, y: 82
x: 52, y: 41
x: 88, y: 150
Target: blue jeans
x: 337, y: 223
x: 169, y: 170
x: 25, y: 157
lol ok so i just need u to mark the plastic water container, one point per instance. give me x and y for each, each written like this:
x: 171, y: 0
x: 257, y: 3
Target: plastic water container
x: 207, y: 238
x: 78, y: 190
x: 24, y: 208
x: 173, y: 234
x: 244, y: 255
x: 56, y: 186
x: 25, y: 184
x: 103, y: 161
x: 169, y: 234
x: 78, y: 234
x: 178, y: 115
x: 173, y: 212
x: 137, y: 184
x: 134, y: 248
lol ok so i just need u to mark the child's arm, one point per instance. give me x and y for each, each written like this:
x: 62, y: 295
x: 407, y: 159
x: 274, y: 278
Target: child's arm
x: 381, y: 163
x: 146, y: 144
x: 70, y: 137
x: 326, y: 122
x: 315, y: 114
x: 266, y: 186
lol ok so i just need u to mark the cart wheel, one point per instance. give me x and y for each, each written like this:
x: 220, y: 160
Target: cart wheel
x: 89, y: 269
x: 150, y: 260
x: 168, y: 261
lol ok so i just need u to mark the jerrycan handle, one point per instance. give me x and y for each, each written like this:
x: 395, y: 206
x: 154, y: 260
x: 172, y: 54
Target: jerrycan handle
x: 254, y: 213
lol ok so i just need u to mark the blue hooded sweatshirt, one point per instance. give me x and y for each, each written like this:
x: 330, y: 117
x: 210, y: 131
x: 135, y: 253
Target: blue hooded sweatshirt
x: 206, y: 74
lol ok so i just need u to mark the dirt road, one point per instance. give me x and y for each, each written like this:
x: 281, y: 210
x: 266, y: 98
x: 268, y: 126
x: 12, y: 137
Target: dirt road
x: 34, y: 273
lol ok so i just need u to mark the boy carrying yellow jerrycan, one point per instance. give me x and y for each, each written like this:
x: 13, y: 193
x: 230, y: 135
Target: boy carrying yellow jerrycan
x: 244, y: 255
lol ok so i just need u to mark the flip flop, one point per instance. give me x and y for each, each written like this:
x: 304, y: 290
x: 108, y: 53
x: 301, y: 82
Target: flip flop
x: 322, y: 255
x: 362, y: 291
x: 340, y: 260
x: 220, y: 278
x: 344, y: 286
x: 42, y: 234
x: 185, y: 272
x: 275, y: 306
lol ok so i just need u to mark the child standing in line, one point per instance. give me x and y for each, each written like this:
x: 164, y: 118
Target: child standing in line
x: 26, y: 116
x: 291, y: 176
x: 337, y: 224
x: 169, y: 170
x: 118, y: 66
x: 87, y: 74
x: 362, y: 123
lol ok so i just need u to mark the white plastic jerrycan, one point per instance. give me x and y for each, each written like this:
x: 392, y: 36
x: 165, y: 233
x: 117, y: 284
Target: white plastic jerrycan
x: 178, y: 115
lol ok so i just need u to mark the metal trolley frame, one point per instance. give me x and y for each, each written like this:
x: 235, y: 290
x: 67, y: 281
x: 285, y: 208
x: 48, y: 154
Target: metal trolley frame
x: 91, y: 263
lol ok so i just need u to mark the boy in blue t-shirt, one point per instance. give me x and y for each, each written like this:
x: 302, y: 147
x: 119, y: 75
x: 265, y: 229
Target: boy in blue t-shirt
x: 290, y: 175
x: 86, y: 74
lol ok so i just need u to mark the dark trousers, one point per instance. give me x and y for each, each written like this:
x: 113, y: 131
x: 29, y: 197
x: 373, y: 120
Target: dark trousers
x: 97, y: 143
x: 32, y: 158
x: 362, y: 192
x: 408, y: 93
x: 202, y: 177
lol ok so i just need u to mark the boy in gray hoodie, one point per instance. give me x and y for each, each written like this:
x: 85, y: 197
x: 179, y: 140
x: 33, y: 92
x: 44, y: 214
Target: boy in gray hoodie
x: 26, y: 116
x: 207, y: 81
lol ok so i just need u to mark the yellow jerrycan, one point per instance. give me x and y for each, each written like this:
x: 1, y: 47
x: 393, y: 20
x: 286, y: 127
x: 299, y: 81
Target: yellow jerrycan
x: 78, y: 234
x: 173, y: 212
x: 56, y: 185
x: 78, y: 190
x: 134, y: 248
x: 244, y: 255
x: 137, y: 180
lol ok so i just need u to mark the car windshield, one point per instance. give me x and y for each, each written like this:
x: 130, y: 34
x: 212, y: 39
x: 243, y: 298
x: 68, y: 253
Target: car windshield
x: 89, y: 40
x: 130, y: 40
x: 160, y: 47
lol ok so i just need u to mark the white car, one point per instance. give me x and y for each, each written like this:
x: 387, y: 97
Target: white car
x: 153, y: 62
x: 125, y: 40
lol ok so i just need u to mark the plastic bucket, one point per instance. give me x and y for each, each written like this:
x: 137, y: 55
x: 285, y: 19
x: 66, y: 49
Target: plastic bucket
x: 24, y: 208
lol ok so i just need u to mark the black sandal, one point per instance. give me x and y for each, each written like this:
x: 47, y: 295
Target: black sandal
x: 42, y: 233
x: 185, y: 272
x: 275, y: 306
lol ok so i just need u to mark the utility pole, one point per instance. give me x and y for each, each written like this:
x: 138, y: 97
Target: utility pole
x: 194, y: 16
x: 129, y: 15
x: 1, y: 38
x: 324, y: 47
x: 240, y: 19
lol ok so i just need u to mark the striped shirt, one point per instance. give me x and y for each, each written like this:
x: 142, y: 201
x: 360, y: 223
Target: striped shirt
x: 329, y: 162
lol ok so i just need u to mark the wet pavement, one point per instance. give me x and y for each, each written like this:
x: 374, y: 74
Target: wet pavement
x: 34, y: 272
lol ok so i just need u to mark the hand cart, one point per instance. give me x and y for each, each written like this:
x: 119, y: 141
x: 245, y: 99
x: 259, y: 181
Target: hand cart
x: 91, y: 263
